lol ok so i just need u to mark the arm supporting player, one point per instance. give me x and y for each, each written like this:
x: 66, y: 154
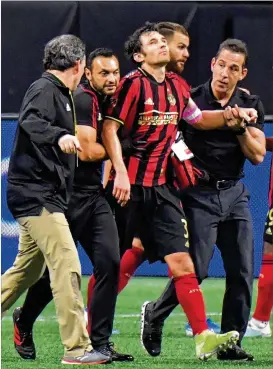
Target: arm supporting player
x: 91, y: 149
x: 207, y: 119
x: 121, y: 190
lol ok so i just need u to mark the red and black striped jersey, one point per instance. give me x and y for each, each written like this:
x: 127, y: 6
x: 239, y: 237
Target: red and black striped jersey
x: 149, y: 112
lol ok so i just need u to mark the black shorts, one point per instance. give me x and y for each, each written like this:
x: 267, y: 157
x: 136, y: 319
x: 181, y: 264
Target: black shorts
x: 156, y: 216
x: 268, y: 229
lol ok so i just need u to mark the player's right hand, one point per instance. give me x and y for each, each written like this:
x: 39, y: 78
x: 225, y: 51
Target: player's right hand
x: 122, y: 188
x: 69, y: 144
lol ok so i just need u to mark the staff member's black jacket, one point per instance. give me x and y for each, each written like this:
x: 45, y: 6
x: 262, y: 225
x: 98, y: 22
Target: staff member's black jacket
x: 40, y: 174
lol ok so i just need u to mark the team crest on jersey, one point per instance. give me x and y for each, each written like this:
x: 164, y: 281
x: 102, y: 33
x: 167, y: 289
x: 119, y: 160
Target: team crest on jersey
x: 171, y: 99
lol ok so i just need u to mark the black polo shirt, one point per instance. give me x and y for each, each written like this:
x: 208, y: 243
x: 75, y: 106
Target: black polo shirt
x: 89, y: 112
x: 218, y: 151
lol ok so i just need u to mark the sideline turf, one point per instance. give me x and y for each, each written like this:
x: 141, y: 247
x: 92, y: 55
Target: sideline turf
x: 177, y: 352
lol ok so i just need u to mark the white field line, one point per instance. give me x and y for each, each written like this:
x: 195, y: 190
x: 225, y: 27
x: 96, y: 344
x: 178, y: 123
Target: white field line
x: 43, y: 318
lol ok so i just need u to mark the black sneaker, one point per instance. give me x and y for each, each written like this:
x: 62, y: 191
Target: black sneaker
x: 151, y: 331
x: 116, y: 356
x: 22, y: 338
x: 235, y: 353
x: 108, y: 350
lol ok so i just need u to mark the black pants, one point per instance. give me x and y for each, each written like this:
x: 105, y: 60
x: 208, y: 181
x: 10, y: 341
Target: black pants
x: 220, y: 217
x: 92, y: 224
x: 120, y: 215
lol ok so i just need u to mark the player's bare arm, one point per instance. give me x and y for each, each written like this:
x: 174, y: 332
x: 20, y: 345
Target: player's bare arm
x: 121, y: 190
x: 208, y: 120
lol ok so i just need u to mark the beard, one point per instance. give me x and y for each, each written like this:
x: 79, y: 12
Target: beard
x: 173, y: 67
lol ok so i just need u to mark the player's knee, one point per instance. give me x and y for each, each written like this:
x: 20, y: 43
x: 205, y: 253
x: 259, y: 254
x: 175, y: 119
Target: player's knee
x: 180, y: 264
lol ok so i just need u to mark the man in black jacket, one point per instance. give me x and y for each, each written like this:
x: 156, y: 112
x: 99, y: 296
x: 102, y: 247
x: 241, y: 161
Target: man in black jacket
x: 40, y: 180
x: 89, y: 215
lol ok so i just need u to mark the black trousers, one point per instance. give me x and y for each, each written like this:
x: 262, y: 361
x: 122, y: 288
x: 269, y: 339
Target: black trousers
x: 220, y: 217
x: 92, y: 224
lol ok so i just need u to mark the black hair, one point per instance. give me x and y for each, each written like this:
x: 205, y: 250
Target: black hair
x: 133, y: 44
x: 101, y: 51
x: 236, y: 46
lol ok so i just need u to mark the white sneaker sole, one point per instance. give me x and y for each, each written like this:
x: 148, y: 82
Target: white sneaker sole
x: 67, y: 362
x: 143, y: 308
x: 228, y: 344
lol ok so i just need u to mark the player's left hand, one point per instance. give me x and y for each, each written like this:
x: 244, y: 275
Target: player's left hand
x: 122, y: 188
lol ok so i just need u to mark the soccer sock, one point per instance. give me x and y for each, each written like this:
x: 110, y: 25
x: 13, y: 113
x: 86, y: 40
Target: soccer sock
x: 38, y: 296
x: 191, y: 299
x: 265, y: 290
x: 129, y: 263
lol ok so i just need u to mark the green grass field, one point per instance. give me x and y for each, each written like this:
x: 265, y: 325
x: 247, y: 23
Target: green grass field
x: 178, y: 350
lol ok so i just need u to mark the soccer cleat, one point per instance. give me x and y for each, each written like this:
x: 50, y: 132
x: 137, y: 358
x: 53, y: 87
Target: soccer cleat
x: 22, y: 338
x: 256, y: 328
x: 93, y: 357
x: 234, y: 353
x: 211, y: 326
x: 208, y: 343
x: 151, y: 331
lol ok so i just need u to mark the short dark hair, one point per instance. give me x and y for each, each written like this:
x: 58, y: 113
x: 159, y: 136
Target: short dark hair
x: 236, y: 46
x: 167, y: 29
x: 62, y: 52
x: 133, y: 44
x: 100, y: 51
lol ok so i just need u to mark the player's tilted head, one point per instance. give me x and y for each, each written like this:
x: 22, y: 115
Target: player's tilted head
x: 147, y: 45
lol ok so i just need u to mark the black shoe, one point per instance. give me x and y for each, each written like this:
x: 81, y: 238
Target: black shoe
x: 22, y: 338
x: 235, y: 353
x: 116, y: 356
x: 109, y: 351
x: 151, y: 331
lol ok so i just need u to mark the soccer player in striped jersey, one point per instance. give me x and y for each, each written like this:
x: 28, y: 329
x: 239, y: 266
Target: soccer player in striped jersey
x: 147, y: 107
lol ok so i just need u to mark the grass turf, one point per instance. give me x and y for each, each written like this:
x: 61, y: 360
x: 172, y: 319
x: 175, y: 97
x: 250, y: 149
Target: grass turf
x: 177, y: 351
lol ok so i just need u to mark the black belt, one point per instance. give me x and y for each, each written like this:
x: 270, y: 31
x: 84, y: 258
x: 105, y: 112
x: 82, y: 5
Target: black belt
x: 219, y: 184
